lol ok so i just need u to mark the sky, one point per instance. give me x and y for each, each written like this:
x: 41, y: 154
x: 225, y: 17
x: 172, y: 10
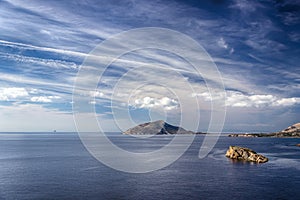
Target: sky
x: 254, y: 44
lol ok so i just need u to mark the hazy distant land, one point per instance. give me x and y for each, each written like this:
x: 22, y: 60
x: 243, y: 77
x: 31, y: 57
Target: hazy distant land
x: 291, y: 131
x: 160, y: 127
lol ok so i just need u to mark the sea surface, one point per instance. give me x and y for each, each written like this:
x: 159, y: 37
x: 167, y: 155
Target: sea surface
x: 57, y: 166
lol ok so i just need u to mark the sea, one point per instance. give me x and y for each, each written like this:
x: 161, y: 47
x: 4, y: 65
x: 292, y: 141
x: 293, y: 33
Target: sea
x: 58, y: 166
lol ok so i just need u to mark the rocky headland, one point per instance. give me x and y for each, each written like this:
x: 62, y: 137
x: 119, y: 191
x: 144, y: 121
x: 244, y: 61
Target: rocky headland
x: 159, y: 127
x: 245, y: 154
x: 291, y: 131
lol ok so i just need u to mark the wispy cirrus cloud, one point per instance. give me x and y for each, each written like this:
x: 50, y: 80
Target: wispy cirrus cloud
x: 254, y: 44
x: 53, y: 63
x: 222, y: 43
x: 24, y: 46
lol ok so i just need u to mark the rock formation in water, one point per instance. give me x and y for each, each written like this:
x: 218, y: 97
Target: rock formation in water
x: 245, y: 154
x: 157, y: 128
x: 291, y: 131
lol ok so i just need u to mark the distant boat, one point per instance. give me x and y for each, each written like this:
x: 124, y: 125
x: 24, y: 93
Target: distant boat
x: 54, y: 131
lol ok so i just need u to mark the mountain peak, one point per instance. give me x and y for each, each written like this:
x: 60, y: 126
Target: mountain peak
x: 158, y: 127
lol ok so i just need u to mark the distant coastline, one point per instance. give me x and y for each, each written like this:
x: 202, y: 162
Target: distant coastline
x: 291, y: 132
x: 277, y: 135
x: 160, y: 127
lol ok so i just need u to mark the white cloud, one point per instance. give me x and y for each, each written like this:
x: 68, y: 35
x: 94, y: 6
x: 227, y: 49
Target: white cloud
x: 148, y: 102
x: 44, y: 99
x: 96, y: 94
x: 238, y: 99
x: 12, y: 93
x: 287, y: 101
x: 23, y: 94
x: 34, y: 91
x: 222, y: 43
x: 208, y: 97
x: 92, y: 102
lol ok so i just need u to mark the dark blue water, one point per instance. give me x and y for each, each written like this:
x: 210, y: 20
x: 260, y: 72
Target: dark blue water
x: 57, y: 166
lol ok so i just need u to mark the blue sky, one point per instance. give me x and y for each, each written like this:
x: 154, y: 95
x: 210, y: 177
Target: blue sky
x: 255, y: 45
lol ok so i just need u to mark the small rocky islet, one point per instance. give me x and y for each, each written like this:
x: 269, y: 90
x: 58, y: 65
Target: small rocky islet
x: 245, y: 154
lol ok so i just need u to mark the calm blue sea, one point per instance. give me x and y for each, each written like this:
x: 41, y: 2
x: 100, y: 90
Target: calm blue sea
x: 57, y: 166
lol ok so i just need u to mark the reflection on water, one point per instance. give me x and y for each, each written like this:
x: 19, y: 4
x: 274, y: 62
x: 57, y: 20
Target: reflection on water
x: 241, y: 162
